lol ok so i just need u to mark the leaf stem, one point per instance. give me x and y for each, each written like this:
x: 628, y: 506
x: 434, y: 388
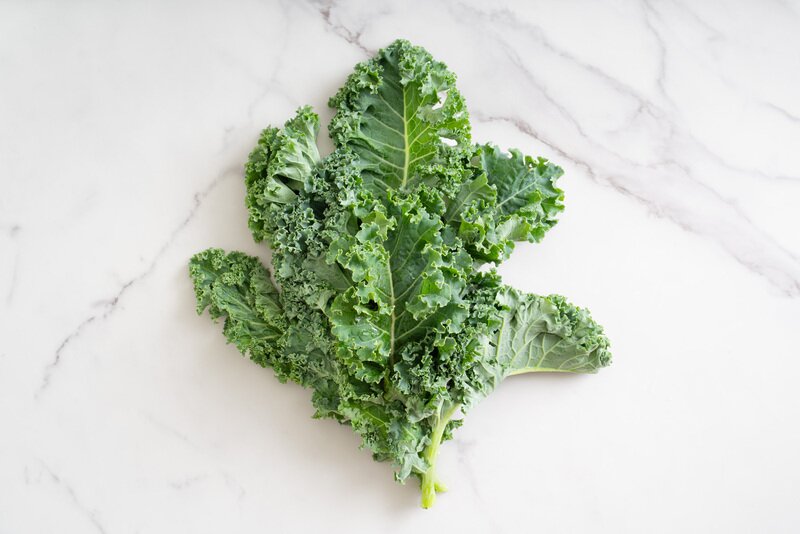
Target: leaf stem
x: 430, y: 484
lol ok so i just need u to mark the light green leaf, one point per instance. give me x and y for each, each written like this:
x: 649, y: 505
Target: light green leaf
x: 280, y: 165
x: 528, y: 200
x: 546, y: 334
x: 237, y: 288
x: 394, y: 113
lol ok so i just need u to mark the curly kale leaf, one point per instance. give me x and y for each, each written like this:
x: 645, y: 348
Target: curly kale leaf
x: 377, y: 304
x: 512, y: 198
x: 403, y: 117
x: 540, y: 334
x: 406, y: 283
x: 280, y: 165
x: 238, y: 288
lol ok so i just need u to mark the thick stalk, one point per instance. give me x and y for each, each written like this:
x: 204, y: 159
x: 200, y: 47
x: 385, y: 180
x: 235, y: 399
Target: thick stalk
x: 430, y: 485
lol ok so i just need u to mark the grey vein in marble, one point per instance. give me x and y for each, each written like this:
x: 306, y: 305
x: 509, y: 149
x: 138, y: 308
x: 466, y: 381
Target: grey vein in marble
x: 110, y: 304
x: 353, y: 37
x: 752, y: 248
x: 90, y: 514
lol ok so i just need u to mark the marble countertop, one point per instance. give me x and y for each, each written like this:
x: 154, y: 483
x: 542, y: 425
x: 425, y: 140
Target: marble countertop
x: 123, y: 131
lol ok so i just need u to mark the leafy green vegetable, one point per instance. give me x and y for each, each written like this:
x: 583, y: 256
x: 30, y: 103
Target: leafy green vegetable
x: 378, y: 304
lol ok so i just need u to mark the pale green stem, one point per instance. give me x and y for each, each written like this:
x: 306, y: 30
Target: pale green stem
x: 430, y: 485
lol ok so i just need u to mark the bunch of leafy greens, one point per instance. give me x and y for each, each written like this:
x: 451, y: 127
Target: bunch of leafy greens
x: 378, y: 304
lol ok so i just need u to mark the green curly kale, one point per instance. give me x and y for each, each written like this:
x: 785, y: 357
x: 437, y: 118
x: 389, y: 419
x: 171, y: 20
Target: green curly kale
x: 378, y: 304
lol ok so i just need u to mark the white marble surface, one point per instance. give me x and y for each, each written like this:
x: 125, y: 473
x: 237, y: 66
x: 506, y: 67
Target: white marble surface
x: 123, y: 130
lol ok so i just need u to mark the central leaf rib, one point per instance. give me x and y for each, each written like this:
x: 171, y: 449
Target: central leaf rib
x: 393, y: 320
x: 406, y: 141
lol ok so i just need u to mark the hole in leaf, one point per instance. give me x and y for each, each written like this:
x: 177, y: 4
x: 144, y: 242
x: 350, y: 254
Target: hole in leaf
x: 447, y: 141
x: 442, y: 97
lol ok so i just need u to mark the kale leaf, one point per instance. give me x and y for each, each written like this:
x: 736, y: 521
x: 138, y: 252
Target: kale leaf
x: 378, y: 304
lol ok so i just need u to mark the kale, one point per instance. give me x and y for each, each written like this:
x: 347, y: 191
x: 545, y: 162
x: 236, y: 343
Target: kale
x: 378, y: 302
